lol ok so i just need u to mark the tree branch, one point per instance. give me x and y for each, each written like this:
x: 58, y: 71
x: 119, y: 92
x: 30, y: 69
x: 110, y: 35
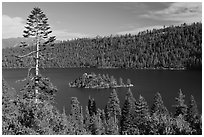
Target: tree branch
x: 42, y: 57
x: 26, y: 54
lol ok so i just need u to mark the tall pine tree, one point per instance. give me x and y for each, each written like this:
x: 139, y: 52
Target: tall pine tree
x: 142, y: 116
x: 113, y: 105
x: 160, y: 116
x: 193, y: 117
x: 37, y: 27
x: 77, y: 116
x: 127, y: 116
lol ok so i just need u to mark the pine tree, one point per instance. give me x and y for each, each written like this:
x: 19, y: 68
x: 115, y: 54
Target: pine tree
x: 181, y: 107
x: 192, y: 109
x: 127, y: 113
x: 92, y: 106
x: 158, y: 105
x: 125, y: 118
x: 193, y: 117
x: 77, y: 116
x: 87, y: 120
x: 160, y: 118
x: 113, y: 105
x: 142, y: 108
x: 142, y: 116
x: 37, y: 26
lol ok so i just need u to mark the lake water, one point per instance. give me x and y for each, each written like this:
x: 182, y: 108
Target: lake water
x: 146, y: 83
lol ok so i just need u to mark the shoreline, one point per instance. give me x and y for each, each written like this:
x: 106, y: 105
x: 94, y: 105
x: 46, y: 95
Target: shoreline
x: 98, y: 87
x: 172, y: 69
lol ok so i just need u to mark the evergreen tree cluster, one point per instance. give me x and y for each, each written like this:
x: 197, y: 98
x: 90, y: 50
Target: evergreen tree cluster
x: 174, y: 47
x: 21, y: 115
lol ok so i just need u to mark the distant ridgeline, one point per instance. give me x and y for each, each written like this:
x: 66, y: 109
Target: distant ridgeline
x: 98, y: 81
x: 174, y: 47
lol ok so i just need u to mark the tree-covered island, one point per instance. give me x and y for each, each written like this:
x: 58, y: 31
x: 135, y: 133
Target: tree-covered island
x: 98, y: 81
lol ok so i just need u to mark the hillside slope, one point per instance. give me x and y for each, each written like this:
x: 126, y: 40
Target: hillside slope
x: 175, y: 47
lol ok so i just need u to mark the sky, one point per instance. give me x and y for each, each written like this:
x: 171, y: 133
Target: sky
x: 70, y: 20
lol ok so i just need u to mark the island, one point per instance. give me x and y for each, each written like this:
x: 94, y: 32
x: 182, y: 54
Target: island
x: 98, y: 82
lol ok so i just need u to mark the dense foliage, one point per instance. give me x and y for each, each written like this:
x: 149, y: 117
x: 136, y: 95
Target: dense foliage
x: 22, y: 115
x: 98, y: 81
x: 174, y: 47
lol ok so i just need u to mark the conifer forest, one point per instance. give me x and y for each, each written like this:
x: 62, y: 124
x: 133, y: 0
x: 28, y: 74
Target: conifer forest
x: 21, y: 115
x: 32, y: 110
x: 174, y: 47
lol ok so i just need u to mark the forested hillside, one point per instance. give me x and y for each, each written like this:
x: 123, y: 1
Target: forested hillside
x: 174, y: 47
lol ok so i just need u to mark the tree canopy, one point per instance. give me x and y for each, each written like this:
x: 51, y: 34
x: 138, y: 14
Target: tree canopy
x: 173, y: 47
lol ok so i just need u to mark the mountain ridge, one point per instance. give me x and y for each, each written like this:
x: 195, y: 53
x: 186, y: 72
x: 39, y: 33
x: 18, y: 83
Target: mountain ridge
x: 14, y: 42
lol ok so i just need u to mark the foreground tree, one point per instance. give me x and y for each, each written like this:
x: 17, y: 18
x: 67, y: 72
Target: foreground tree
x: 142, y: 116
x: 193, y: 117
x: 181, y: 107
x: 161, y: 121
x: 127, y: 115
x: 37, y: 27
x: 77, y: 118
x: 92, y: 106
x: 158, y: 105
x: 113, y: 105
x: 42, y: 116
x: 22, y: 116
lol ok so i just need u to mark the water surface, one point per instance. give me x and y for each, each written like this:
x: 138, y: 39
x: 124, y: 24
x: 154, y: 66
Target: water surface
x: 146, y: 83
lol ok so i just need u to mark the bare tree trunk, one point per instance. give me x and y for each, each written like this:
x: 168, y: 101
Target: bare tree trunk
x: 37, y: 70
